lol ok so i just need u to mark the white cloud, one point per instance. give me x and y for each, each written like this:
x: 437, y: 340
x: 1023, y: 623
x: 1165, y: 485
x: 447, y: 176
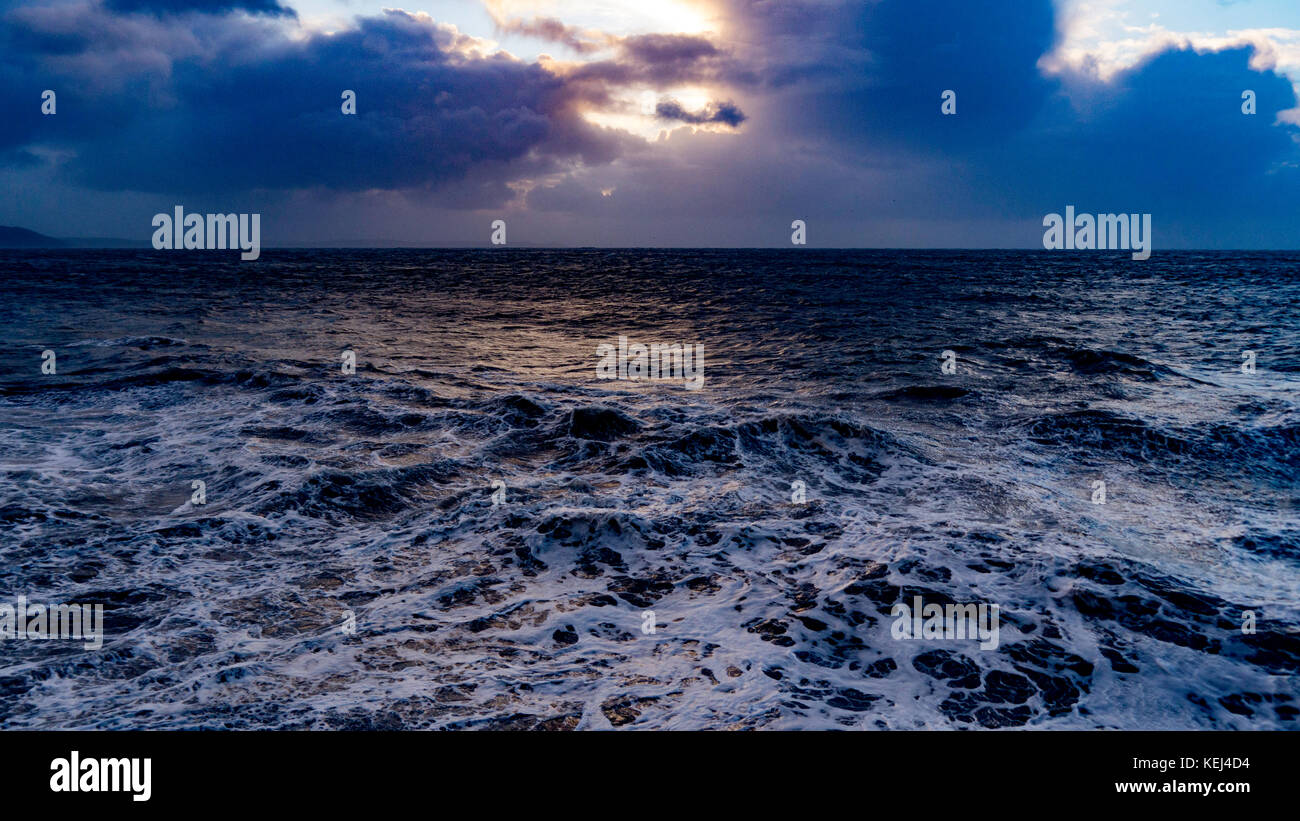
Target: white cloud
x: 1098, y: 40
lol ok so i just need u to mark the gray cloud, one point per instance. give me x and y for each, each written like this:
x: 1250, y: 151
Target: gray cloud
x: 724, y: 113
x: 579, y: 40
x: 270, y: 8
x: 252, y: 108
x: 841, y: 116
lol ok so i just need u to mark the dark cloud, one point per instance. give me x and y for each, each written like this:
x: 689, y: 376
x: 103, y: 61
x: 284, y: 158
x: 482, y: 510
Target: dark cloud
x: 1166, y: 136
x: 841, y: 108
x: 1169, y: 134
x: 263, y: 111
x: 874, y: 73
x: 725, y: 113
x: 162, y: 7
x: 668, y: 49
x: 657, y: 60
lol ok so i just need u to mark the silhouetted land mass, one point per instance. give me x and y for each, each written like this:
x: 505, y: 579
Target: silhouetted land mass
x: 11, y: 236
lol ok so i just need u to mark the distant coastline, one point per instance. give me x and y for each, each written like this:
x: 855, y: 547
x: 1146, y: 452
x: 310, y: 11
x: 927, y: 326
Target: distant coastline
x: 12, y: 236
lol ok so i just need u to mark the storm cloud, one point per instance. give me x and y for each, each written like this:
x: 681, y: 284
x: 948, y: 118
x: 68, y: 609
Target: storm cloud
x: 840, y: 105
x: 168, y: 7
x: 725, y: 113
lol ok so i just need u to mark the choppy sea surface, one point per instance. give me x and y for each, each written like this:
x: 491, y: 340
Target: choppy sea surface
x: 372, y: 492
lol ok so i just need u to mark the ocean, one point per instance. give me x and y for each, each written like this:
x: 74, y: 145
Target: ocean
x: 475, y: 530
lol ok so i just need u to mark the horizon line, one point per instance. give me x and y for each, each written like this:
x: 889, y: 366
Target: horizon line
x: 135, y: 245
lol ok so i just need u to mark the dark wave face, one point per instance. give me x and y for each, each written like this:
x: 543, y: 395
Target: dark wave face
x: 826, y: 470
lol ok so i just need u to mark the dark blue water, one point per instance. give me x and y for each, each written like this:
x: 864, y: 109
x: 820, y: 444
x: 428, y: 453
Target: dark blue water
x: 371, y: 493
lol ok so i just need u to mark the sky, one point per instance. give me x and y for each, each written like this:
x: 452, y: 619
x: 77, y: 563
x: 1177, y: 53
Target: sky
x: 700, y: 123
